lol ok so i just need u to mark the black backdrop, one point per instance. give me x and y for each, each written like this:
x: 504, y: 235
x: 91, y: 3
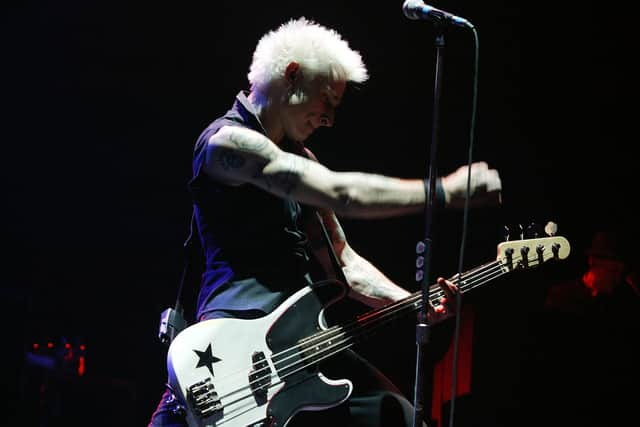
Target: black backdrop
x: 103, y: 100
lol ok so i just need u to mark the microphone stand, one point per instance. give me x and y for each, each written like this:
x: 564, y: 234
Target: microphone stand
x: 422, y: 328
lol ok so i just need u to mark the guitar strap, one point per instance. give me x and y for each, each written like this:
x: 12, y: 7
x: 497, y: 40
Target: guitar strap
x: 332, y: 253
x: 172, y: 320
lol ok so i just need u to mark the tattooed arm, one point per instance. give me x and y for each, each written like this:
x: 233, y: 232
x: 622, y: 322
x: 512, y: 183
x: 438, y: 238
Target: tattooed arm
x: 366, y: 283
x: 236, y: 155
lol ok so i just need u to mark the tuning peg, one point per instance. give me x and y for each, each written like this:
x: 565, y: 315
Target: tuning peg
x: 507, y: 233
x: 551, y: 228
x: 555, y: 248
x: 533, y: 230
x: 508, y: 255
x: 540, y: 252
x: 524, y: 253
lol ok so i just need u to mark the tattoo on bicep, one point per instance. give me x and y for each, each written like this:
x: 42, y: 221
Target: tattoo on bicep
x: 299, y: 169
x: 260, y: 176
x: 287, y: 177
x: 294, y: 169
x: 253, y: 144
x: 230, y: 159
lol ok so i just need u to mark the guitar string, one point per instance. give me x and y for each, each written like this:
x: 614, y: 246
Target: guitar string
x: 495, y: 268
x: 341, y: 329
x: 336, y: 332
x: 409, y: 304
x: 435, y: 292
x: 346, y: 343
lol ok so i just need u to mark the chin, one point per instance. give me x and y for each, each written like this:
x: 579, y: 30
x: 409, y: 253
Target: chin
x: 301, y: 136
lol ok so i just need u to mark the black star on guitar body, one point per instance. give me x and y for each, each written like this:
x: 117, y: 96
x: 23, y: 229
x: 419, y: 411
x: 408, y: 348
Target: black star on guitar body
x: 206, y: 358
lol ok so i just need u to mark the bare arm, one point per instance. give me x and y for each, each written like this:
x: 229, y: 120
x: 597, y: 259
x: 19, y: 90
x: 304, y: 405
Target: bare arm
x: 237, y: 155
x: 367, y: 284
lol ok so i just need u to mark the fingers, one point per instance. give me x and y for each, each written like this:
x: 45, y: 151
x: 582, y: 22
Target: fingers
x: 481, y: 166
x: 447, y: 303
x: 484, y: 178
x: 485, y: 189
x: 486, y: 186
x: 493, y: 181
x: 450, y: 290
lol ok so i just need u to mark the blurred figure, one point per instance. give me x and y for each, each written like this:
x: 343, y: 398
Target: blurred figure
x: 608, y: 279
x: 585, y: 368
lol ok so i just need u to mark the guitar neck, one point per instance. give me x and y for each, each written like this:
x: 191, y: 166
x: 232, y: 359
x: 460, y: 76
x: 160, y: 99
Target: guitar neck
x: 467, y: 281
x: 333, y: 340
x: 512, y: 256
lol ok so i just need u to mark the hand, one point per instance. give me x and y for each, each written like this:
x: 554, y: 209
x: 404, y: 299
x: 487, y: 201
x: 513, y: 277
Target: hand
x: 447, y: 306
x: 484, y: 190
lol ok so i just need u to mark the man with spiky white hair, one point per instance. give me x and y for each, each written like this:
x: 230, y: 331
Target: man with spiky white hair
x: 266, y: 212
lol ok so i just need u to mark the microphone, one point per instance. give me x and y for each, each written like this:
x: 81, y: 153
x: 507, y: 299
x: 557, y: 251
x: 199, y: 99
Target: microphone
x: 418, y: 10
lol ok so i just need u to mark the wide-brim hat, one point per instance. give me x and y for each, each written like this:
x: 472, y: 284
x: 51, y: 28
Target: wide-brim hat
x: 607, y: 244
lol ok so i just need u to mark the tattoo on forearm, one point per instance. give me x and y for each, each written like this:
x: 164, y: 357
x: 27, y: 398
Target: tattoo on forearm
x: 335, y: 230
x: 345, y: 199
x: 367, y: 280
x: 337, y: 235
x: 378, y: 195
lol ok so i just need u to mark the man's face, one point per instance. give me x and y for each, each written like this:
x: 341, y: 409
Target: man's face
x: 317, y: 108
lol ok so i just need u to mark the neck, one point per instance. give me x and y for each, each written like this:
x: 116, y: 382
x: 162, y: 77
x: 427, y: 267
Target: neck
x: 267, y: 109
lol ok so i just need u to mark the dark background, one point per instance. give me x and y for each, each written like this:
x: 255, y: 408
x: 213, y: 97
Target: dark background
x: 103, y: 101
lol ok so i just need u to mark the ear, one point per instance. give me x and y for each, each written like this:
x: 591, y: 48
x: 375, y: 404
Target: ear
x: 292, y: 73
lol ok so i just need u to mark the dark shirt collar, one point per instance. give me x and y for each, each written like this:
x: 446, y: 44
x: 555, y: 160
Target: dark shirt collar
x: 245, y: 108
x: 248, y: 112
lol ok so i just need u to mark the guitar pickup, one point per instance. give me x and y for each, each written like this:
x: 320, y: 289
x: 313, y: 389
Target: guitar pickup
x: 204, y: 398
x: 260, y: 377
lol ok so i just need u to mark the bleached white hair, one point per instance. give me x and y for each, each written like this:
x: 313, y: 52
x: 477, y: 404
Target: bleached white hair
x: 318, y: 50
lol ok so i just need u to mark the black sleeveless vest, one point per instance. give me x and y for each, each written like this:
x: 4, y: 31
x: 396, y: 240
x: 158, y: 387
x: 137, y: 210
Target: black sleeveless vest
x: 256, y: 253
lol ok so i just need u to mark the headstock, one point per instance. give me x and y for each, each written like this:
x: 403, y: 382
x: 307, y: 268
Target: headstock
x: 527, y: 253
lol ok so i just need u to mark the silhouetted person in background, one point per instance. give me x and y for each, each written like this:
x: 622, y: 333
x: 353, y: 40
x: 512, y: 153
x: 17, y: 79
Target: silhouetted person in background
x: 586, y: 370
